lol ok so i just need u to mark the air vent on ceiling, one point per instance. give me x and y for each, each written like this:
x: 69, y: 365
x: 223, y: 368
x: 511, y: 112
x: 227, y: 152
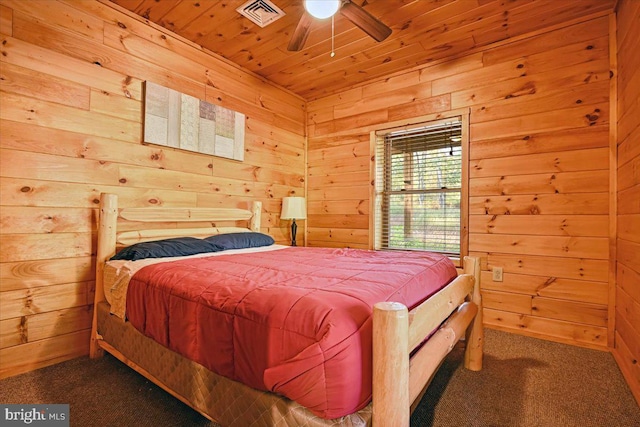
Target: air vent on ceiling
x: 261, y: 12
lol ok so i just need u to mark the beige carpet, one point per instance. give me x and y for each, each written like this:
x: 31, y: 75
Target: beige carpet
x: 525, y: 382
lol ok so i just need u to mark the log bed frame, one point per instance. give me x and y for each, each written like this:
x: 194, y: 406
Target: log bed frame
x: 398, y: 380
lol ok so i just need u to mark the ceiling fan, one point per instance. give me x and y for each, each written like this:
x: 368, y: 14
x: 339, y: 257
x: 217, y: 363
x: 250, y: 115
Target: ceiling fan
x: 353, y: 12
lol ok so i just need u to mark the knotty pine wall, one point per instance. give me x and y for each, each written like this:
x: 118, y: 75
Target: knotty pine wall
x: 71, y: 125
x: 627, y: 337
x: 539, y: 171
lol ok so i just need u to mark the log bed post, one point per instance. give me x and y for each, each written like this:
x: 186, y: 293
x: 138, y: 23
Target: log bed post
x: 107, y: 221
x: 398, y: 380
x: 391, y: 404
x: 475, y: 333
x: 256, y: 210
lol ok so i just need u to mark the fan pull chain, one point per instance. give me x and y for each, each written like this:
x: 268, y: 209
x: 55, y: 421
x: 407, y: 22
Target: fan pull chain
x: 332, y: 36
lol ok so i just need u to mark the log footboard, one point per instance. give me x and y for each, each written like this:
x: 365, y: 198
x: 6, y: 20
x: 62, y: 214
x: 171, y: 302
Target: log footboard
x: 454, y: 313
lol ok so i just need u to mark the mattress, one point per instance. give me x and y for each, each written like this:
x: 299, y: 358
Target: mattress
x: 296, y: 321
x: 230, y: 403
x: 118, y: 273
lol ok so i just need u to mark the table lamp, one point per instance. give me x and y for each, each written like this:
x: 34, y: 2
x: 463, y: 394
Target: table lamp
x: 293, y: 208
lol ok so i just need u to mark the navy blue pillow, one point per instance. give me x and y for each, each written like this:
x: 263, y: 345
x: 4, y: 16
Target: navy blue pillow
x: 179, y: 246
x: 240, y: 240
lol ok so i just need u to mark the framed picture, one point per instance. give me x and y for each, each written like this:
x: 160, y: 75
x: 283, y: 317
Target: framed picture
x: 174, y: 119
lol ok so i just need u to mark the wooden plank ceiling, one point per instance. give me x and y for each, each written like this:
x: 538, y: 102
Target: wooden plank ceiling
x: 423, y: 31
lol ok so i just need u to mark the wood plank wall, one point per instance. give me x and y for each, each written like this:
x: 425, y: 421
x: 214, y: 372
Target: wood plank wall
x: 627, y: 336
x: 539, y: 171
x: 71, y: 124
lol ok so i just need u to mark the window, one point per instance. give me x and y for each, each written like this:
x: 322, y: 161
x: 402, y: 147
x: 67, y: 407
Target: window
x: 420, y: 193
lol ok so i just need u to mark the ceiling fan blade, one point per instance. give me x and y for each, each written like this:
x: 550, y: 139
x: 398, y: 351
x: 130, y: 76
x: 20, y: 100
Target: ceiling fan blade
x: 367, y: 22
x: 301, y: 33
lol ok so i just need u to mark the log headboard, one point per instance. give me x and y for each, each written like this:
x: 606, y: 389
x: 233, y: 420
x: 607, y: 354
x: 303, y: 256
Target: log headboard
x: 138, y: 225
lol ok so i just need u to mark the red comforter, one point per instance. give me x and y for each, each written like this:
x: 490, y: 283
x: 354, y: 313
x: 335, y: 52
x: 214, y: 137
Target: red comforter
x: 295, y: 321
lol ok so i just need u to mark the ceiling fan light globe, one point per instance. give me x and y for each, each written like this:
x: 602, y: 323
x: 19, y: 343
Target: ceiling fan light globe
x: 322, y: 9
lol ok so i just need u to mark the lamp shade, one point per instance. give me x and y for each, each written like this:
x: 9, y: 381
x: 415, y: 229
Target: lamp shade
x: 322, y: 9
x: 294, y: 208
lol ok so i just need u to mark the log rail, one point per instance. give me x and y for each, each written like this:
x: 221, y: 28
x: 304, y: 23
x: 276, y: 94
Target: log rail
x: 398, y: 380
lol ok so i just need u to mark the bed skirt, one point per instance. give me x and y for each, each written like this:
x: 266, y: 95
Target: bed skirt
x: 228, y: 402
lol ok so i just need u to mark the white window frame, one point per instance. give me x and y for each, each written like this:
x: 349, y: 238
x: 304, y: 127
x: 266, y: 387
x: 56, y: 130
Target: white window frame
x: 376, y: 196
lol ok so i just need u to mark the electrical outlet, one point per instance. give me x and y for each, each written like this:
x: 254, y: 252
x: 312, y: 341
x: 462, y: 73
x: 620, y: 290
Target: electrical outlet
x: 497, y: 274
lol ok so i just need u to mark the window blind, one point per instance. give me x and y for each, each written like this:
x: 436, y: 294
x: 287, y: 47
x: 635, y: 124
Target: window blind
x: 419, y: 183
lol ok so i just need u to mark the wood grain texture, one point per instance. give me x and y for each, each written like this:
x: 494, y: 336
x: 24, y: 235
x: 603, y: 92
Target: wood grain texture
x: 44, y: 299
x: 548, y: 286
x: 570, y: 268
x: 539, y: 105
x: 39, y: 273
x: 34, y: 84
x: 542, y: 225
x: 539, y: 171
x: 27, y: 357
x: 627, y: 292
x: 547, y: 328
x: 6, y: 20
x: 561, y: 182
x: 71, y: 88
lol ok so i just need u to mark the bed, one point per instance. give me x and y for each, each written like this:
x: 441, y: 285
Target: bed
x: 301, y: 336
